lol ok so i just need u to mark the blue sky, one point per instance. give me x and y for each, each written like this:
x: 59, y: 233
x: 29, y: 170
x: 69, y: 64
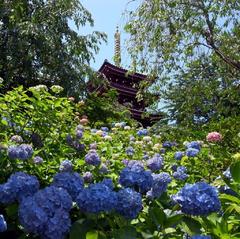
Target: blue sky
x: 107, y: 14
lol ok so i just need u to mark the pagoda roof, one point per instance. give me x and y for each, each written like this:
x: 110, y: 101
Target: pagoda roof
x: 107, y: 67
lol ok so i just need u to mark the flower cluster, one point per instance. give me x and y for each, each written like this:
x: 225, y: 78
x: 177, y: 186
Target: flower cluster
x: 17, y: 139
x: 129, y: 203
x: 97, y: 198
x: 142, y: 132
x: 66, y: 166
x: 193, y: 145
x: 155, y: 163
x: 214, y: 137
x: 19, y: 186
x: 192, y: 152
x: 136, y: 177
x: 37, y: 160
x: 3, y: 224
x: 160, y: 183
x: 180, y: 173
x: 22, y: 151
x: 130, y: 151
x: 87, y: 177
x: 46, y: 213
x: 92, y: 158
x: 71, y: 182
x: 178, y: 155
x: 198, y: 199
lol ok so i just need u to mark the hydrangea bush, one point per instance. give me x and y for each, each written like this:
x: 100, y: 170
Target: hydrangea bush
x: 61, y: 178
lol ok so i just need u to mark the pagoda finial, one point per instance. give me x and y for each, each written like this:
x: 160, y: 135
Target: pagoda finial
x: 117, y: 55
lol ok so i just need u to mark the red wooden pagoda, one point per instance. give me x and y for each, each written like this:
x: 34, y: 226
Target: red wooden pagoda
x: 127, y: 86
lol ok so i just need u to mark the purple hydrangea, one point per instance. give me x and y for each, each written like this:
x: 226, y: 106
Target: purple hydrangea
x: 79, y: 134
x: 92, y: 158
x: 23, y: 151
x: 129, y: 203
x: 199, y: 199
x: 97, y: 198
x: 167, y: 144
x: 19, y: 186
x: 136, y: 177
x: 103, y: 169
x: 160, y: 183
x: 178, y: 155
x: 145, y: 156
x: 192, y: 152
x: 87, y: 177
x: 93, y: 146
x: 66, y: 166
x: 155, y: 163
x: 134, y: 163
x: 180, y: 173
x: 46, y: 213
x: 130, y: 151
x: 162, y: 151
x: 71, y: 182
x: 3, y: 224
x: 105, y: 129
x: 37, y: 160
x: 194, y: 145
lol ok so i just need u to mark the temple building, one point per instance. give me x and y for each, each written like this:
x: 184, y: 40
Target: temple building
x: 127, y: 85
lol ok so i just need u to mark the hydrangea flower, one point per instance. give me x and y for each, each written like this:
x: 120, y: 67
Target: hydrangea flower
x: 130, y: 151
x: 106, y: 129
x: 142, y: 132
x: 162, y: 151
x: 178, y: 155
x: 167, y: 144
x: 129, y: 203
x: 19, y: 186
x: 214, y: 137
x: 97, y: 198
x: 71, y: 182
x: 199, y: 199
x: 155, y: 163
x: 160, y: 183
x: 23, y: 151
x: 56, y: 89
x: 66, y: 166
x: 200, y: 237
x: 3, y: 224
x: 79, y: 134
x: 37, y: 160
x: 87, y: 177
x: 46, y: 213
x: 92, y: 158
x: 136, y: 177
x: 103, y: 169
x: 180, y: 173
x: 194, y: 145
x: 134, y: 163
x: 17, y: 139
x: 192, y: 152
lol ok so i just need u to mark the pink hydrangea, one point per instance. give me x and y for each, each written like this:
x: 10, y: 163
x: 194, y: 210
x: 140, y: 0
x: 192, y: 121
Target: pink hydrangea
x: 214, y: 137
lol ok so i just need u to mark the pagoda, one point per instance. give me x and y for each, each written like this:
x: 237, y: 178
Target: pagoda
x: 127, y: 85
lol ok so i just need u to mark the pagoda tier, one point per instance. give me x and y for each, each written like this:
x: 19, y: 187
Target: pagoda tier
x: 127, y: 86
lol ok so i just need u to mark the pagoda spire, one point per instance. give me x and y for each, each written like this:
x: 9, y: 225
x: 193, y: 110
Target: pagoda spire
x: 117, y: 49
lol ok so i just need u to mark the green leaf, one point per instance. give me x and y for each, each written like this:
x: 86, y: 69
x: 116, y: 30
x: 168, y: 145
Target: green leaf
x: 125, y: 233
x: 92, y: 235
x: 235, y: 171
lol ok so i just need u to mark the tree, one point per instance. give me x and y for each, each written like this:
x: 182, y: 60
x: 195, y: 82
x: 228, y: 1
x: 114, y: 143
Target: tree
x: 191, y: 46
x: 38, y: 44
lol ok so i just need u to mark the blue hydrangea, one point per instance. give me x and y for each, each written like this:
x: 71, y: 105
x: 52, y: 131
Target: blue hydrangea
x: 174, y: 167
x: 129, y: 203
x: 155, y: 163
x: 162, y: 151
x: 194, y: 145
x: 191, y: 152
x: 46, y: 213
x: 17, y: 139
x: 131, y: 138
x: 167, y: 144
x: 142, y: 132
x: 78, y: 146
x: 79, y: 134
x: 178, y: 155
x: 88, y: 177
x: 38, y: 160
x: 92, y: 158
x: 180, y: 173
x: 66, y: 166
x: 19, y: 186
x: 198, y: 199
x: 97, y: 198
x: 134, y: 163
x: 71, y: 182
x: 130, y: 151
x: 145, y: 156
x: 160, y: 183
x: 200, y: 237
x: 3, y: 224
x: 106, y: 129
x: 103, y: 169
x: 136, y: 177
x: 108, y: 182
x: 23, y: 151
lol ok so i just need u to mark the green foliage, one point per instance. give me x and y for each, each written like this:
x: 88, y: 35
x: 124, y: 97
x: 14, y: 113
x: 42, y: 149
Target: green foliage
x: 39, y: 44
